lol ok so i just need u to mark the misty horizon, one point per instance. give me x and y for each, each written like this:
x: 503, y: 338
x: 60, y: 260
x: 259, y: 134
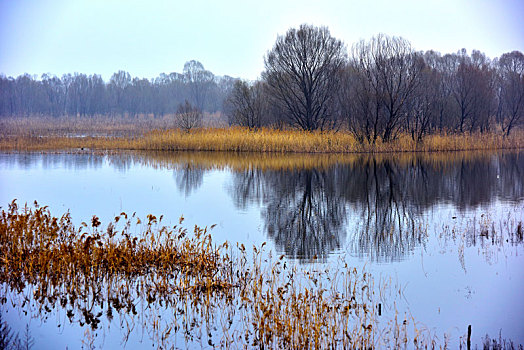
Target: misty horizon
x: 39, y: 76
x: 231, y: 37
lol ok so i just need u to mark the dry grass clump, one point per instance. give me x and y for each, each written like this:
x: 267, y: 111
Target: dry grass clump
x: 240, y: 300
x: 245, y: 140
x: 312, y: 308
x: 34, y: 244
x: 62, y: 265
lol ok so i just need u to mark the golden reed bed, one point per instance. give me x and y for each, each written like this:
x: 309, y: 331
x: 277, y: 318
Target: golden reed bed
x: 264, y: 140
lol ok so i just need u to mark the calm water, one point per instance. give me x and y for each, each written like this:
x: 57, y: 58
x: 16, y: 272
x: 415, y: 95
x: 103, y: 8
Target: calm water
x: 441, y: 228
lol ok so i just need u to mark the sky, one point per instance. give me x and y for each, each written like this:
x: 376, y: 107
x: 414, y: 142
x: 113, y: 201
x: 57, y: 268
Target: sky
x: 231, y: 37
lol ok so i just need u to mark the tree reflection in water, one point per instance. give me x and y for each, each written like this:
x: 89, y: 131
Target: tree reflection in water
x: 304, y: 214
x: 384, y: 217
x: 188, y: 178
x: 373, y: 206
x: 378, y: 203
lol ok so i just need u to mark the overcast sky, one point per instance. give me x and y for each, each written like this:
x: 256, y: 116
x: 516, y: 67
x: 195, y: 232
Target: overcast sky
x: 230, y: 37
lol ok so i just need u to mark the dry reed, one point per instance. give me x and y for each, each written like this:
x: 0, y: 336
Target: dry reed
x: 159, y: 135
x: 91, y: 272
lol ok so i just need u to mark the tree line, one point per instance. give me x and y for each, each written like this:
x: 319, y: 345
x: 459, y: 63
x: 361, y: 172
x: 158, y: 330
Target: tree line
x: 378, y: 89
x: 88, y: 95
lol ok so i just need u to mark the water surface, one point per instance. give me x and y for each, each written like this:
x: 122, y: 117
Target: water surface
x: 440, y: 227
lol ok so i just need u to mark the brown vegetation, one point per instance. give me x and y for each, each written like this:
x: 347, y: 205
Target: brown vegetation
x: 48, y: 264
x: 118, y: 134
x: 82, y: 126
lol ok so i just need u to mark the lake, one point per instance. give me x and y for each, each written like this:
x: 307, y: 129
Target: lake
x: 442, y: 229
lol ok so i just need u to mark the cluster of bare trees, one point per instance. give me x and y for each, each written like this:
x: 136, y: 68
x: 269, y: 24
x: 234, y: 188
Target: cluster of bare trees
x: 247, y: 104
x: 385, y: 75
x: 89, y: 95
x: 384, y: 87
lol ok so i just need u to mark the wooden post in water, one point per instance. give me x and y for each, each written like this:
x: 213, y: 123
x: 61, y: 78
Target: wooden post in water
x: 469, y: 337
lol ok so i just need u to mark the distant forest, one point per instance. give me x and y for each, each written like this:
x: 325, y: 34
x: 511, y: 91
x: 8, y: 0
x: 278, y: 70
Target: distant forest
x: 89, y: 95
x: 377, y: 89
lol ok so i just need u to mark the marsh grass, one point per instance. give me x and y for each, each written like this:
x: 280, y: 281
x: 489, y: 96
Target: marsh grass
x: 159, y: 134
x: 227, y: 295
x: 499, y: 344
x: 71, y: 126
x: 486, y: 232
x: 87, y: 126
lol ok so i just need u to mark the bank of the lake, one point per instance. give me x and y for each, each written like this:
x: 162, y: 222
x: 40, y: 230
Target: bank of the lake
x: 246, y: 140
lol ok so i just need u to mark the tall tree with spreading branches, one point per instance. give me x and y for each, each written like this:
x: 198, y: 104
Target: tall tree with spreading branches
x: 302, y: 73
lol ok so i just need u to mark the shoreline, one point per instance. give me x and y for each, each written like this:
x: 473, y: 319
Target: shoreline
x: 266, y: 141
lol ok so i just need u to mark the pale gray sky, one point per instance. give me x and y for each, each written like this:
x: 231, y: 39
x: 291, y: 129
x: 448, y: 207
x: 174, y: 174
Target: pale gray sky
x: 230, y: 37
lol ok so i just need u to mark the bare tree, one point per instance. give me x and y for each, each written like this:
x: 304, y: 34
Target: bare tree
x: 483, y: 93
x: 140, y: 96
x: 472, y: 90
x: 462, y: 88
x: 444, y: 69
x: 363, y: 104
x: 55, y: 94
x: 422, y: 107
x: 188, y: 117
x: 199, y: 80
x: 511, y: 90
x: 118, y: 84
x: 97, y: 100
x: 302, y: 73
x: 246, y: 105
x: 389, y: 72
